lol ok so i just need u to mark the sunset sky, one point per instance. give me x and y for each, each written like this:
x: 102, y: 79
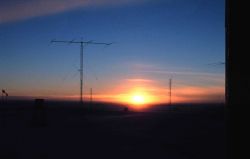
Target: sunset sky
x: 153, y: 40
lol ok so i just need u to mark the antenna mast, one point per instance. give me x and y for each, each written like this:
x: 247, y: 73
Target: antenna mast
x: 81, y: 57
x: 91, y: 94
x: 170, y: 89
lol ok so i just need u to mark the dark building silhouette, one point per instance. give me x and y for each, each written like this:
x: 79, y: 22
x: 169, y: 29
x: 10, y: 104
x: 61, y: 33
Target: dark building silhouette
x: 39, y: 114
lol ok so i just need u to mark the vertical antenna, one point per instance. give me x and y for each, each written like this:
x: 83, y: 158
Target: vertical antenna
x: 81, y: 58
x: 170, y: 89
x: 91, y: 93
x: 81, y: 71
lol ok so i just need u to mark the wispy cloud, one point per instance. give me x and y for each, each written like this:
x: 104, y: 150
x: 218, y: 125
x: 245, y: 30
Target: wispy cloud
x: 198, y: 94
x: 19, y: 10
x: 181, y: 72
x: 153, y: 69
x: 139, y: 80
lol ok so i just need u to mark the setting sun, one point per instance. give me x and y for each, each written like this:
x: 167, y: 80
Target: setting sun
x: 138, y: 99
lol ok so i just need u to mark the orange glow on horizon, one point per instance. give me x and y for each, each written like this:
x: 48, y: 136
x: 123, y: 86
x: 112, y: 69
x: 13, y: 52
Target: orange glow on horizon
x: 149, y: 95
x: 138, y: 93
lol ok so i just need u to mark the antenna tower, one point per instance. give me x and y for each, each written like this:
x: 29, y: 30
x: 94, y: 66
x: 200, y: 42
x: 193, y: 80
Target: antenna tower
x: 81, y: 57
x: 170, y: 89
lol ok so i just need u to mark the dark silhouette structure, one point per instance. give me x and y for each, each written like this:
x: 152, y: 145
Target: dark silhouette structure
x: 81, y: 58
x: 125, y: 109
x: 39, y: 114
x: 4, y: 95
x: 91, y: 93
x: 170, y: 89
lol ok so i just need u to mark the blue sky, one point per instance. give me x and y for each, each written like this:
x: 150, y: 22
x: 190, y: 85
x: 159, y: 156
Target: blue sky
x: 152, y: 40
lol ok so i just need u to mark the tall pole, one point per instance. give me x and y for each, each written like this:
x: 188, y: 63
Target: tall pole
x: 81, y: 58
x: 170, y: 87
x: 91, y: 95
x: 81, y: 72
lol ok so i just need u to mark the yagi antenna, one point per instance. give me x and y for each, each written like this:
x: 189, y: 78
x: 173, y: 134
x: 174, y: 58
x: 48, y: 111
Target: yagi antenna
x: 81, y: 42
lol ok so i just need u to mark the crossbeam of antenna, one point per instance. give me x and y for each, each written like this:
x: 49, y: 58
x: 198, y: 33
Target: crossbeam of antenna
x: 81, y: 57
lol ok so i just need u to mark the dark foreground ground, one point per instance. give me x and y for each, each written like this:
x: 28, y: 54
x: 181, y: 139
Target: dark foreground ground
x: 64, y: 132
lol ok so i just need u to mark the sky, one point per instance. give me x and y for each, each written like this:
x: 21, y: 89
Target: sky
x: 152, y: 41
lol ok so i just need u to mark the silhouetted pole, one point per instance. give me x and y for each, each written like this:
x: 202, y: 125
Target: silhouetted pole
x: 81, y: 72
x: 170, y: 87
x: 91, y: 93
x: 81, y: 58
